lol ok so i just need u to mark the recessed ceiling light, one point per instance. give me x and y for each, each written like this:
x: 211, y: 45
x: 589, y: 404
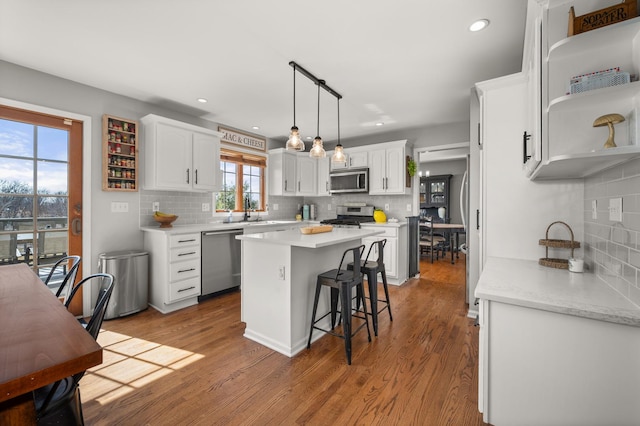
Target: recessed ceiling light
x: 255, y: 128
x: 309, y: 138
x: 480, y: 24
x: 202, y: 100
x: 379, y: 123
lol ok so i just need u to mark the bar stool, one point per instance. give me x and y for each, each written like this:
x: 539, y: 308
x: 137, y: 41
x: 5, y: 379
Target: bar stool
x: 371, y: 268
x: 341, y: 281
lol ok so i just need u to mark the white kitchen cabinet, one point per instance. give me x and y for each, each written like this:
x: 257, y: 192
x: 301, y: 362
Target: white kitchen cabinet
x: 282, y: 169
x: 570, y: 147
x: 387, y: 168
x: 395, y: 251
x: 322, y: 189
x: 174, y: 269
x: 356, y: 159
x: 306, y: 175
x: 179, y: 156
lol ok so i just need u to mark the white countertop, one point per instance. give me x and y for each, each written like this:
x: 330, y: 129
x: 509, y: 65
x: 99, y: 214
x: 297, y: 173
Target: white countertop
x: 216, y: 226
x: 526, y: 283
x: 295, y: 238
x: 398, y: 224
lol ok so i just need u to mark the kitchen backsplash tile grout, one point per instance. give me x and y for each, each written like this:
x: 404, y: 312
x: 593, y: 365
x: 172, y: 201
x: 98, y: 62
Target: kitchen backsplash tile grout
x: 612, y: 249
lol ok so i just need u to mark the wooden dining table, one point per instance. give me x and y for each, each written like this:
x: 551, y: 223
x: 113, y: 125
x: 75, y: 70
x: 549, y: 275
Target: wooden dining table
x: 40, y: 343
x: 453, y: 229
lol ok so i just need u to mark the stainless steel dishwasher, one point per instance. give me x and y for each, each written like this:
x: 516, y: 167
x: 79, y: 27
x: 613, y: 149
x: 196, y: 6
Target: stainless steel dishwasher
x: 220, y: 262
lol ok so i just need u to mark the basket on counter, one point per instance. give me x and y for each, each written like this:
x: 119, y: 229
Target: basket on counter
x: 566, y: 244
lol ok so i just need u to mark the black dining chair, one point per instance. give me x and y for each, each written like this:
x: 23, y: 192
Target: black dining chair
x: 59, y: 403
x: 341, y: 282
x: 68, y: 267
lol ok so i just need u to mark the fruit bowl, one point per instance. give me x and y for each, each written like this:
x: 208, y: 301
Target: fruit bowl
x: 165, y: 220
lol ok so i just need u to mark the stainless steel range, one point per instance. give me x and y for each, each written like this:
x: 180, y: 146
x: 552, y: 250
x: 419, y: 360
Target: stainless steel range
x: 350, y: 216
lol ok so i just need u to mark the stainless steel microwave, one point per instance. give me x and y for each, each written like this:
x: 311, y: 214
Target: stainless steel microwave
x: 345, y: 181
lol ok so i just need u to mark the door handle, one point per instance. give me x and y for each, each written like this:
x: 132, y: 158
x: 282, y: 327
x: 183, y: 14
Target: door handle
x: 76, y: 226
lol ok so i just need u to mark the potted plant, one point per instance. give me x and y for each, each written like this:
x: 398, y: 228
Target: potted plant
x: 412, y: 167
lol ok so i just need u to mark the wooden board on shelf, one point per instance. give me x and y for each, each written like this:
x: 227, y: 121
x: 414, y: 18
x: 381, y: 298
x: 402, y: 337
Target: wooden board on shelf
x: 601, y: 18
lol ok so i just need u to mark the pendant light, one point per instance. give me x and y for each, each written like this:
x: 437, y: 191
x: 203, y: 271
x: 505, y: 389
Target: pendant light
x: 295, y: 142
x: 317, y: 151
x: 338, y: 154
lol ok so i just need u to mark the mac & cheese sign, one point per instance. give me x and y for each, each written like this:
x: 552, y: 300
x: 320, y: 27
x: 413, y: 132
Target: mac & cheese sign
x: 243, y: 139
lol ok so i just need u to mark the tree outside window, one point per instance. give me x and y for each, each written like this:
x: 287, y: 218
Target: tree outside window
x: 243, y: 180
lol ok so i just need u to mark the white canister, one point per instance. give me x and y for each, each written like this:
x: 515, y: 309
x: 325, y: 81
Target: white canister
x: 576, y: 265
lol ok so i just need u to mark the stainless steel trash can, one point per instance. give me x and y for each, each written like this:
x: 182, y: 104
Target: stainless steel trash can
x: 130, y: 269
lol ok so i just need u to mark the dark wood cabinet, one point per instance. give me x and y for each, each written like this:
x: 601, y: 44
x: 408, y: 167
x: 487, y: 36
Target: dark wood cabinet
x: 434, y: 191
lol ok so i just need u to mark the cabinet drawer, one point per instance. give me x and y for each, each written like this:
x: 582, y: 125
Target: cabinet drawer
x: 388, y: 231
x: 182, y: 270
x: 183, y: 240
x: 184, y: 253
x: 184, y: 289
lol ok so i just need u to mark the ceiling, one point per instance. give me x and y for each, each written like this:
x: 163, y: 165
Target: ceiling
x: 406, y: 63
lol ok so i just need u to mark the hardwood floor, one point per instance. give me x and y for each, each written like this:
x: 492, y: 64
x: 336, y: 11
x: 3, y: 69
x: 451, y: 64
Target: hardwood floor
x: 195, y: 367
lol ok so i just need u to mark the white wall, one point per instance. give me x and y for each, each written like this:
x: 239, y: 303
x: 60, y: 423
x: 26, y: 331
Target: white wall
x: 118, y: 231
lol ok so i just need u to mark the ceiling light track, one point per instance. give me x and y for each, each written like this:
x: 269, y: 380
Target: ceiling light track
x: 315, y: 79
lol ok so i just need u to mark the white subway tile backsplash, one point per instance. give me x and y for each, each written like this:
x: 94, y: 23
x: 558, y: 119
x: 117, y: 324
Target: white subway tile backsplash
x: 612, y: 248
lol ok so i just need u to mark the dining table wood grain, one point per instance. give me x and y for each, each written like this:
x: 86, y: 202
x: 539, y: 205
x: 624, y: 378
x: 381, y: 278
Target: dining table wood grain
x: 41, y: 342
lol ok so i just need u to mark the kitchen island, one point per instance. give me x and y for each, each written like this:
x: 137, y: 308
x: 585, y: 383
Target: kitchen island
x: 556, y: 347
x: 279, y: 271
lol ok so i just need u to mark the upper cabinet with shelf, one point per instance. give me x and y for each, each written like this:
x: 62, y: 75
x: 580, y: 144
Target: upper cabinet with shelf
x: 569, y: 146
x: 179, y: 156
x: 355, y: 160
x: 120, y: 154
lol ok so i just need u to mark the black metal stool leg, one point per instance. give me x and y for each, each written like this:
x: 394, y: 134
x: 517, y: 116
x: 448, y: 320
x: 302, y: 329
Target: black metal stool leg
x: 315, y: 309
x: 372, y: 282
x: 386, y: 292
x: 335, y: 294
x: 345, y: 295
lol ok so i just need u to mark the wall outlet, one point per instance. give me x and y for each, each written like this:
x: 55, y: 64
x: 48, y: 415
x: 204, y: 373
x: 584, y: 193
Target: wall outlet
x: 206, y: 207
x: 386, y: 207
x: 275, y: 206
x: 329, y: 207
x: 155, y: 206
x: 615, y: 209
x: 408, y: 207
x: 281, y: 272
x: 119, y: 207
x: 594, y: 209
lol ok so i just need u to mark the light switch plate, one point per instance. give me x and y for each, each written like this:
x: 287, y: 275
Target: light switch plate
x: 408, y: 207
x: 594, y: 209
x: 156, y: 206
x: 119, y: 207
x: 386, y: 207
x: 615, y: 209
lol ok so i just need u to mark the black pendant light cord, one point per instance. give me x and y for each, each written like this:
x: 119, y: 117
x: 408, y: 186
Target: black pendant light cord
x: 318, y: 123
x: 294, y: 95
x: 338, y: 121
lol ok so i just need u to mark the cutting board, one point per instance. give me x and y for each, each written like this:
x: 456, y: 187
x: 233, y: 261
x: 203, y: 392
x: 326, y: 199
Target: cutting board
x: 316, y: 229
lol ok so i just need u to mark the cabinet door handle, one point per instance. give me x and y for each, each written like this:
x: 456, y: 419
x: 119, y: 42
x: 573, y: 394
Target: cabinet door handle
x: 525, y: 138
x: 327, y: 186
x: 186, y: 270
x: 187, y: 254
x: 187, y: 175
x: 298, y: 186
x: 350, y: 161
x: 196, y: 181
x: 186, y: 289
x: 285, y: 185
x: 478, y: 219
